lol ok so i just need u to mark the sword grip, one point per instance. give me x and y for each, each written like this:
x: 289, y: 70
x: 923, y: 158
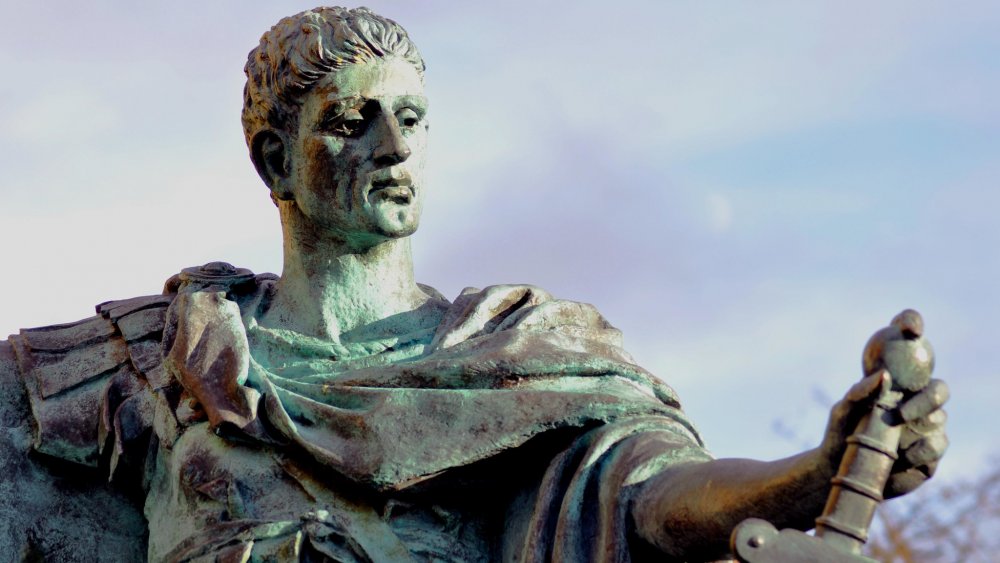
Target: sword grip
x: 863, y: 473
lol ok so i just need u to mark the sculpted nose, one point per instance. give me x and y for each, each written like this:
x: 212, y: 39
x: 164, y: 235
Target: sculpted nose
x: 392, y: 148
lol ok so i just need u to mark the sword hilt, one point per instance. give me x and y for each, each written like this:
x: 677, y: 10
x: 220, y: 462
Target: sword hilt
x: 901, y: 350
x: 864, y: 470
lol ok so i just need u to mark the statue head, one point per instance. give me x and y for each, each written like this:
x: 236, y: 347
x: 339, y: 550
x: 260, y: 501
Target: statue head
x: 333, y: 115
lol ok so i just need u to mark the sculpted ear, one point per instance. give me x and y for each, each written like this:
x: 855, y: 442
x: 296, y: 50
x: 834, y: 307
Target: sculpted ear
x: 269, y: 152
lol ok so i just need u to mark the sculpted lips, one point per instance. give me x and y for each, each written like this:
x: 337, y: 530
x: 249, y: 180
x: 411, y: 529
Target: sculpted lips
x: 392, y: 184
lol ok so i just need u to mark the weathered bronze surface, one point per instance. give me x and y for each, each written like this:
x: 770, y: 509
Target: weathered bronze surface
x: 341, y: 411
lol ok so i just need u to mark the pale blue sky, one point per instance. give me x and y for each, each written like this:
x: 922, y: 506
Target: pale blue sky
x: 748, y: 190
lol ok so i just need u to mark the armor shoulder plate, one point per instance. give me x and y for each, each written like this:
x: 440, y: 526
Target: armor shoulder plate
x: 74, y: 373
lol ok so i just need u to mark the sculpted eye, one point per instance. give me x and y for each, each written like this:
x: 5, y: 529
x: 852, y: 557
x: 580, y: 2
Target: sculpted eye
x: 407, y: 118
x: 349, y: 124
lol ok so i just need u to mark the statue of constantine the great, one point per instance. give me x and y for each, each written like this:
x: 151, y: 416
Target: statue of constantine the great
x: 343, y: 412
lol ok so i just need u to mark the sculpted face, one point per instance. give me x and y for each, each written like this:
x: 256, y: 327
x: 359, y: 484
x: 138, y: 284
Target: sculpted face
x: 357, y: 162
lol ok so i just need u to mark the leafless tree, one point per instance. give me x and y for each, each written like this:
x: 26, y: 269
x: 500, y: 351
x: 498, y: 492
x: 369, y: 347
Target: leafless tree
x: 949, y: 522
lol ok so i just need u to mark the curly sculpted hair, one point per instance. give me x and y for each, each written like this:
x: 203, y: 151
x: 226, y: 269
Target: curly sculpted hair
x: 301, y: 49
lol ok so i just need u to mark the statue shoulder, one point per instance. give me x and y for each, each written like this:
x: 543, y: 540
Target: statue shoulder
x: 526, y: 307
x: 100, y: 381
x: 216, y: 275
x: 69, y: 369
x: 60, y: 385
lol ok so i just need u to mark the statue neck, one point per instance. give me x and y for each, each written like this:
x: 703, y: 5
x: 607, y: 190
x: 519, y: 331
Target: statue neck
x: 329, y: 291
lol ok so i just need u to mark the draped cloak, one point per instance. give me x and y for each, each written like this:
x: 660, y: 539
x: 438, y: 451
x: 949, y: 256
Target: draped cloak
x: 241, y: 410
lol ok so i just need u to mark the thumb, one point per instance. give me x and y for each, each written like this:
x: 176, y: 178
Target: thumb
x: 867, y: 390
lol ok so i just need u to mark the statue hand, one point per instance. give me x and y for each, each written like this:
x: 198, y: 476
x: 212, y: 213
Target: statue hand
x: 923, y: 441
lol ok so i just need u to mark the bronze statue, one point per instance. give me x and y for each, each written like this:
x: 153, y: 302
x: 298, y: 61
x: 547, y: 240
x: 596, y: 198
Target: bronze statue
x: 344, y: 412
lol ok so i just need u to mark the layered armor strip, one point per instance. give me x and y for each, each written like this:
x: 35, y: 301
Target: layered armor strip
x: 96, y: 383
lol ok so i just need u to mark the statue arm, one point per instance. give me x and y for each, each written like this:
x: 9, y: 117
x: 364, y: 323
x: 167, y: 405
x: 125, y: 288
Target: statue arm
x: 690, y: 510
